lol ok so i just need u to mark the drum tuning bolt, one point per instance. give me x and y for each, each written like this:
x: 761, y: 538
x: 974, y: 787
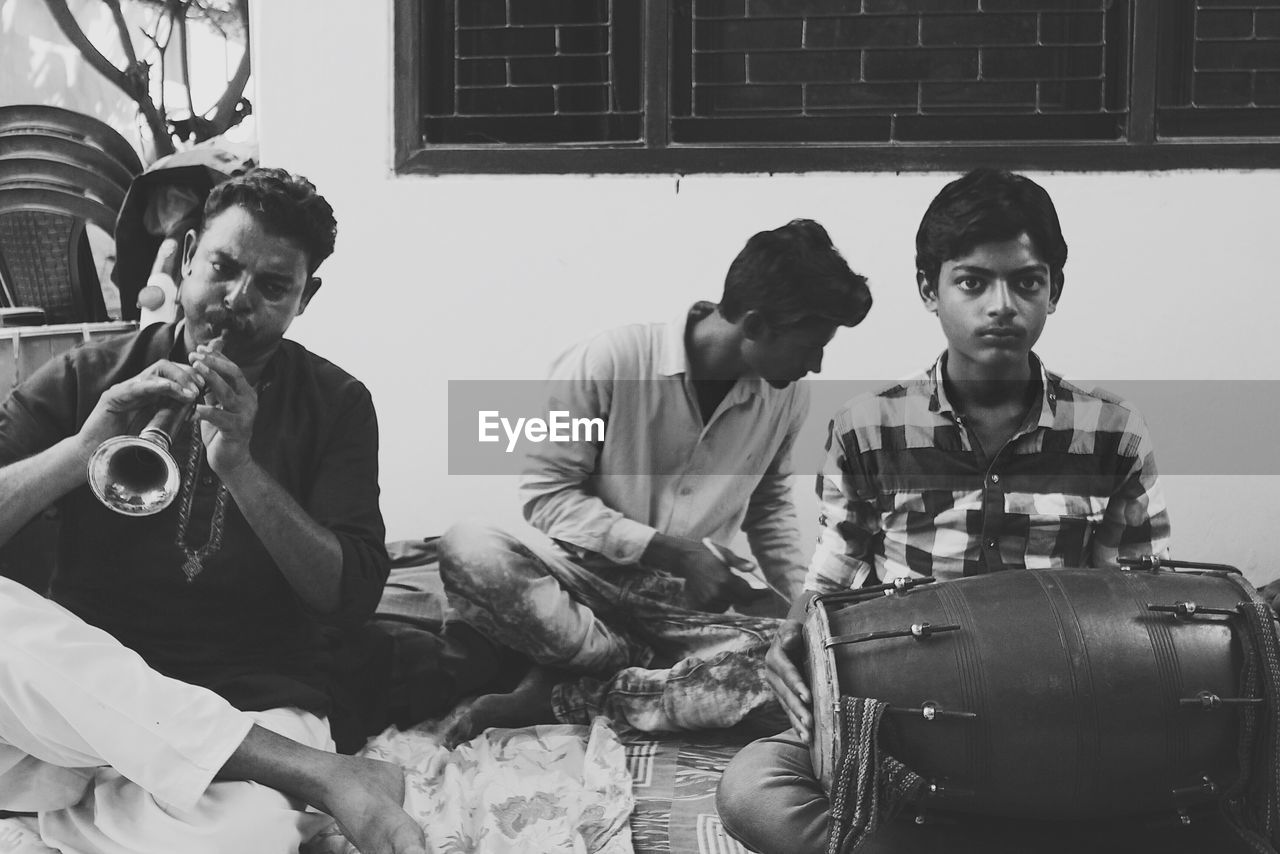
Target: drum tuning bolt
x: 1205, y: 788
x: 936, y: 791
x: 1208, y: 701
x: 1152, y: 563
x: 930, y: 711
x: 1187, y: 610
x: 919, y: 631
x: 899, y: 586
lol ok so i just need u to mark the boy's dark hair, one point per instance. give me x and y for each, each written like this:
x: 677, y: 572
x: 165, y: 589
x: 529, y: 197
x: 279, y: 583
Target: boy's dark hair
x: 792, y: 274
x: 287, y: 206
x: 989, y: 205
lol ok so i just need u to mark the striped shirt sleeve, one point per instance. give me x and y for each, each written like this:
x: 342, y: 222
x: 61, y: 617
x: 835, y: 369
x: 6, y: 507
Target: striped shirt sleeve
x: 1136, y: 520
x: 848, y: 518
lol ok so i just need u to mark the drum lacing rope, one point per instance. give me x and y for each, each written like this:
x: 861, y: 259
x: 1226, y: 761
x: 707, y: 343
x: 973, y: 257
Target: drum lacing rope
x: 1260, y: 729
x: 1253, y: 805
x: 869, y: 785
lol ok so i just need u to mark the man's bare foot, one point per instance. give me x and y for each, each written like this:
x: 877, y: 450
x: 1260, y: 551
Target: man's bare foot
x: 366, y: 798
x: 527, y: 704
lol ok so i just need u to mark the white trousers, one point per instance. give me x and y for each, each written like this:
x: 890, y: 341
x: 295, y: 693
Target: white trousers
x: 118, y: 759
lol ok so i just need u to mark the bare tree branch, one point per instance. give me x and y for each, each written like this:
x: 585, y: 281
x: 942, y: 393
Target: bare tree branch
x: 179, y: 12
x: 226, y: 16
x: 71, y: 29
x: 122, y: 26
x: 127, y: 81
x: 161, y: 47
x: 224, y: 112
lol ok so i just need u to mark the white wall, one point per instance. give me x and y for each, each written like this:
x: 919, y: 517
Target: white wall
x: 1171, y: 276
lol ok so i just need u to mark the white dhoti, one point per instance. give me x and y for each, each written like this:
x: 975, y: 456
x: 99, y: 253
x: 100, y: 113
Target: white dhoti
x: 118, y: 759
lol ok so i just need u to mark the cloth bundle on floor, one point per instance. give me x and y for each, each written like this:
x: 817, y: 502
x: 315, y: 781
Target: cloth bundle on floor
x: 510, y: 791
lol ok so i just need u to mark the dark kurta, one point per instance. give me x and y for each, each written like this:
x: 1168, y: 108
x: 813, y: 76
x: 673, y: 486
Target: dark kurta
x: 237, y: 628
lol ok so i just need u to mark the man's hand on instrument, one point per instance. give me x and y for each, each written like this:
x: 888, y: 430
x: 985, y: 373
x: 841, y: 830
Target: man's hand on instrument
x: 161, y: 384
x: 228, y: 411
x: 709, y: 585
x: 782, y: 672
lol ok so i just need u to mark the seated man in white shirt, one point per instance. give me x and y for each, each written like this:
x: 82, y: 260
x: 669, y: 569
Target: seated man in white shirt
x: 623, y: 611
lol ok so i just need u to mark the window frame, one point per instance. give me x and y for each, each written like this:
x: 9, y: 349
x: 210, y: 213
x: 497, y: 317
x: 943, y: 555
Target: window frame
x: 657, y: 154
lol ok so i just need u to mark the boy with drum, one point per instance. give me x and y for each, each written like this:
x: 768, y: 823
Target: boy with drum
x: 985, y: 462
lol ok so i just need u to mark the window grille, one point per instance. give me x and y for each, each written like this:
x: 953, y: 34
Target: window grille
x: 885, y: 72
x: 1220, y: 69
x: 739, y: 85
x: 533, y: 71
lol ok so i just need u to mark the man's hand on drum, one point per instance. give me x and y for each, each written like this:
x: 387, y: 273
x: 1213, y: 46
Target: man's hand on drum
x: 782, y: 671
x: 1271, y: 593
x: 126, y: 403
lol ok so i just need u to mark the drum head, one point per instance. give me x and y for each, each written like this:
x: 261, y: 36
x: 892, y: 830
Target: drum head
x: 824, y: 685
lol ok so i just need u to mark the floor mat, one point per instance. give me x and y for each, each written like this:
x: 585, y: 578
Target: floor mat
x: 674, y: 781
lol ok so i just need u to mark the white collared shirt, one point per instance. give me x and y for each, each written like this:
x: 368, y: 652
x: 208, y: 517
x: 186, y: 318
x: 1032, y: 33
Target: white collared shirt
x: 660, y: 468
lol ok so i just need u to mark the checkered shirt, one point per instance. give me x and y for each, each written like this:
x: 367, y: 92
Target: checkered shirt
x: 903, y: 493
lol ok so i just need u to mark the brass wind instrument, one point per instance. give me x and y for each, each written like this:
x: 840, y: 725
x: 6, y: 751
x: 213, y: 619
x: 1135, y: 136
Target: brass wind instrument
x: 137, y: 475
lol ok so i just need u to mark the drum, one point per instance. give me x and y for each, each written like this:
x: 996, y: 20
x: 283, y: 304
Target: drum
x: 1053, y: 694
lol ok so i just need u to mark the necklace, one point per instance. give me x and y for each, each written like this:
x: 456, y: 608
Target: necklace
x: 194, y: 563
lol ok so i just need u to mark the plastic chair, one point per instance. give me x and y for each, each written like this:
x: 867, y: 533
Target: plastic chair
x: 58, y: 171
x: 61, y: 150
x: 34, y: 172
x: 47, y: 261
x: 55, y: 121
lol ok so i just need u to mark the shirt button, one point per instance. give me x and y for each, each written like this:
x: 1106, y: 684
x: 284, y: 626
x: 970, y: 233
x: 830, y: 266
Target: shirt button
x: 991, y: 544
x: 995, y: 478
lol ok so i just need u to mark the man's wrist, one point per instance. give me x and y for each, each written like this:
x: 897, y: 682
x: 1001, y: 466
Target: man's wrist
x: 239, y: 475
x: 666, y: 552
x: 79, y: 448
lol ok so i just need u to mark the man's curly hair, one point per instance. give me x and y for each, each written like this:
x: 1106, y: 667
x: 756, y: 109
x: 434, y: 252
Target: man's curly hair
x: 287, y: 206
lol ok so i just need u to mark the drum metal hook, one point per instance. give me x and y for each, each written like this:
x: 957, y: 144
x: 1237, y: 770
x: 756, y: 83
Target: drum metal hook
x: 898, y: 585
x: 1209, y: 701
x: 931, y: 710
x: 1187, y: 610
x: 919, y: 631
x: 1154, y: 563
x: 1205, y: 788
x: 937, y: 791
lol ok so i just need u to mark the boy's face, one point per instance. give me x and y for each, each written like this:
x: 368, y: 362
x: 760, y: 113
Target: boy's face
x: 782, y: 355
x: 993, y: 303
